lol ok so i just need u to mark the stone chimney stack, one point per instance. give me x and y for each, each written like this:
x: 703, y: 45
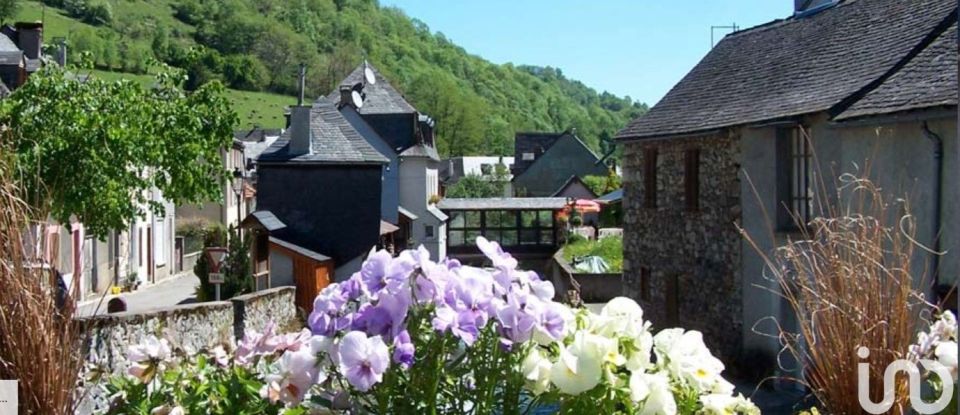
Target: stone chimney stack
x: 62, y: 53
x: 300, y: 135
x: 30, y: 38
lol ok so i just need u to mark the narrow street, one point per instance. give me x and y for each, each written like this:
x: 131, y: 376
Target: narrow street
x: 176, y: 290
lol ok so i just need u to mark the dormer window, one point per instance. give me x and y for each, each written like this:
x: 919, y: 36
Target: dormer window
x: 528, y: 156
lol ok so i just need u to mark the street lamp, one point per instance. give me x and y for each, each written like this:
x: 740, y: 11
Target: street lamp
x: 238, y: 178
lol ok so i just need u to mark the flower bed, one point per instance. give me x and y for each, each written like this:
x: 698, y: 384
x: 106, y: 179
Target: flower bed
x: 410, y: 335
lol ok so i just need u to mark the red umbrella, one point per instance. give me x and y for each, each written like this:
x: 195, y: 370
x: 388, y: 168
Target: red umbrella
x: 586, y: 206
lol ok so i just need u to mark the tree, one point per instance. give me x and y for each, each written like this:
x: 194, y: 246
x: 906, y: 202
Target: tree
x: 8, y: 9
x: 601, y: 185
x: 474, y: 186
x: 96, y: 150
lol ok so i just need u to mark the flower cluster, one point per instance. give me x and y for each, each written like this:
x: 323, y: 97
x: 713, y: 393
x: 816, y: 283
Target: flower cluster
x: 613, y: 358
x: 407, y: 334
x: 938, y: 343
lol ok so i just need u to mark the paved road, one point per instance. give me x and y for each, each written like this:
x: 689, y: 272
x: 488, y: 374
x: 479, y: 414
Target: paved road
x: 176, y: 290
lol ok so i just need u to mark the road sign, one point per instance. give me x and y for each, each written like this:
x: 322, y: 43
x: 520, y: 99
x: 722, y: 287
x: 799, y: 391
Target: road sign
x: 215, y: 278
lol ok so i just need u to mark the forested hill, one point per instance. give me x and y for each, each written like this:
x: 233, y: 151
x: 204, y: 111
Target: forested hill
x: 256, y: 45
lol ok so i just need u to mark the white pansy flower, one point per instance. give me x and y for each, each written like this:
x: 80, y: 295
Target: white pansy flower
x: 536, y: 371
x: 639, y: 358
x: 659, y: 400
x: 946, y: 353
x: 578, y: 369
x: 687, y: 357
x: 718, y: 404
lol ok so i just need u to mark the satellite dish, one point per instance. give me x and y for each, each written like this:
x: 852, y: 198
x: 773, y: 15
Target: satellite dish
x: 357, y: 99
x: 369, y: 75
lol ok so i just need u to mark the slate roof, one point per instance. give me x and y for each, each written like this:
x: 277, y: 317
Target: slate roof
x: 333, y: 141
x: 7, y: 44
x: 381, y: 97
x: 256, y: 134
x: 570, y: 182
x: 612, y: 197
x: 531, y: 142
x: 421, y: 150
x: 794, y: 66
x: 300, y: 250
x: 266, y: 219
x: 504, y: 203
x: 11, y: 57
x: 928, y: 80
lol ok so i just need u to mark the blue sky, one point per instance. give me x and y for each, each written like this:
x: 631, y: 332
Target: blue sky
x: 639, y: 48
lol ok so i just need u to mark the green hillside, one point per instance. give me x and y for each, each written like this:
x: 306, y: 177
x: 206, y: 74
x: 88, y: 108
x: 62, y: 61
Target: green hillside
x: 254, y: 47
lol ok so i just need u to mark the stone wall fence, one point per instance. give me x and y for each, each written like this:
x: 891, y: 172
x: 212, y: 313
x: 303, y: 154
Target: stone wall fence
x: 589, y: 288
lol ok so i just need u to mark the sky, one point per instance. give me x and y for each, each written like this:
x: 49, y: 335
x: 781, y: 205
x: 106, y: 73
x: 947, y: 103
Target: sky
x: 639, y: 48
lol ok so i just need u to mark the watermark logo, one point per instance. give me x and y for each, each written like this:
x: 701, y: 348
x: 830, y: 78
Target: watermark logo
x: 8, y: 396
x: 889, y: 380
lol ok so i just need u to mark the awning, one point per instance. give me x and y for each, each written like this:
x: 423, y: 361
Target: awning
x: 387, y: 228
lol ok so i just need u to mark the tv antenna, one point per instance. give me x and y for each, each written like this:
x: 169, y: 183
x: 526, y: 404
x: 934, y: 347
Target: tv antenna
x: 732, y: 28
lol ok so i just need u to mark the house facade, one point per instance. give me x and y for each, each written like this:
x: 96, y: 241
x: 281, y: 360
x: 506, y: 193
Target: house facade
x: 865, y: 87
x: 238, y: 193
x: 487, y: 167
x: 21, y: 54
x: 545, y: 162
x: 323, y: 180
x: 398, y: 131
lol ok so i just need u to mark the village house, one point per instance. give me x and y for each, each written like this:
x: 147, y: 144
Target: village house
x: 546, y: 162
x: 238, y: 193
x: 323, y: 181
x: 746, y: 137
x: 398, y: 131
x: 486, y: 167
x: 21, y: 54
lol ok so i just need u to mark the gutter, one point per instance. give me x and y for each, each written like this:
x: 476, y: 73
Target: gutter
x: 937, y: 197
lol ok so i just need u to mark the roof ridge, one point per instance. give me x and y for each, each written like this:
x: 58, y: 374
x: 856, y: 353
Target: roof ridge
x: 948, y: 21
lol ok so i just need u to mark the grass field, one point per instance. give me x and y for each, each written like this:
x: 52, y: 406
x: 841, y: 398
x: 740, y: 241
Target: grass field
x: 610, y: 249
x: 253, y: 108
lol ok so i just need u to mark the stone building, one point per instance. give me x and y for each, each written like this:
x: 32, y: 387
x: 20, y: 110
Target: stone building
x: 745, y: 137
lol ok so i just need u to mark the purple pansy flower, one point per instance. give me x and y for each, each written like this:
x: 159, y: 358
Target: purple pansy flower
x: 403, y: 350
x: 362, y: 360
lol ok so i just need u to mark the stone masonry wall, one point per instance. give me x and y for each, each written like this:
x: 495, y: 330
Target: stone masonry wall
x: 700, y: 249
x: 190, y: 327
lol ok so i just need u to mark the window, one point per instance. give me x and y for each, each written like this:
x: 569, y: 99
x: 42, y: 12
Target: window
x: 650, y: 178
x: 645, y: 284
x: 794, y: 178
x: 528, y: 156
x: 160, y: 239
x: 139, y: 247
x: 673, y: 300
x: 691, y: 179
x: 428, y: 231
x: 510, y: 228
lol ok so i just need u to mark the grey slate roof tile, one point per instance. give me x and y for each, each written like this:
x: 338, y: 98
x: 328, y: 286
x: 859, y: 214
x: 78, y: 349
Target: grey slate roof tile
x: 792, y: 67
x: 381, y: 97
x: 928, y: 80
x: 421, y: 150
x: 333, y: 141
x: 531, y: 142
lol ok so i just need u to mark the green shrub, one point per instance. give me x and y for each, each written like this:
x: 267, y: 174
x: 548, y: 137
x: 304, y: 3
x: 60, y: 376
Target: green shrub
x: 237, y: 274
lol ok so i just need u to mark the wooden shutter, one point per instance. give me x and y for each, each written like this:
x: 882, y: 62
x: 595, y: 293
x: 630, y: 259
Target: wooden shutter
x: 650, y: 178
x: 691, y: 179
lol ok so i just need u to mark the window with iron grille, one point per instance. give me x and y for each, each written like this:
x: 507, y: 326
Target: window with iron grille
x: 795, y: 179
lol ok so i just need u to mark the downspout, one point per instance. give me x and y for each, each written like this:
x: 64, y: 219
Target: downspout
x: 937, y: 198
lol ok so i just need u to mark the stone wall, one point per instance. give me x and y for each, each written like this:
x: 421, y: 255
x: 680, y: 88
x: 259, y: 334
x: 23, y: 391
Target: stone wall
x: 255, y: 311
x: 692, y: 257
x: 590, y: 288
x: 190, y: 327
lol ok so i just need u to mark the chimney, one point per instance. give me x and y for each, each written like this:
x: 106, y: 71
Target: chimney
x: 303, y: 77
x: 62, y: 53
x: 30, y: 38
x: 300, y: 134
x: 346, y: 95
